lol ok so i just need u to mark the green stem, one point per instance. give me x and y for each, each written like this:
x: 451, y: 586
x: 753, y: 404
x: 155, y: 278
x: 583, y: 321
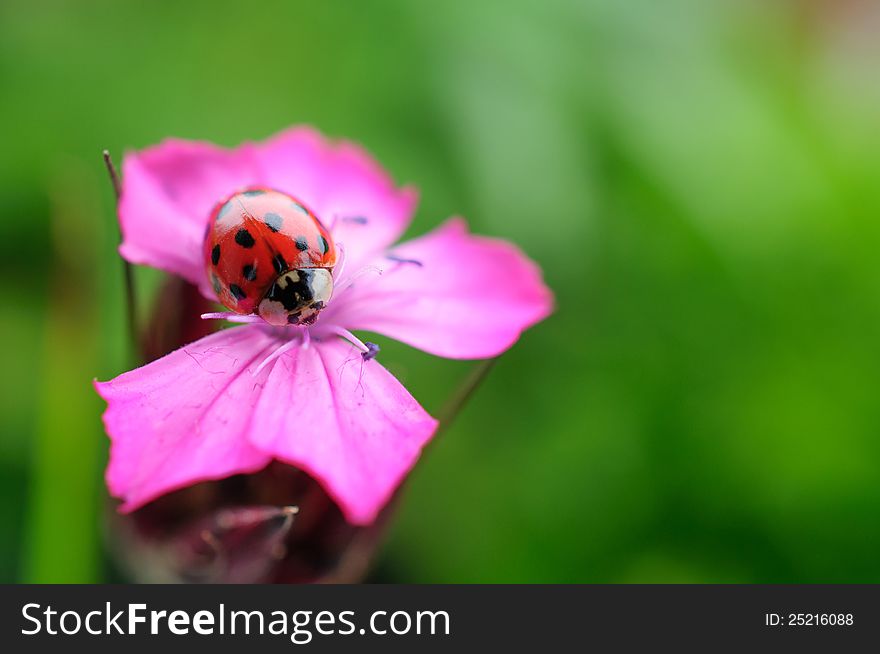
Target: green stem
x: 459, y: 399
x: 128, y: 272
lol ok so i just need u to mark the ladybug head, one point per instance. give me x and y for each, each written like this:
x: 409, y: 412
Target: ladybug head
x: 297, y: 297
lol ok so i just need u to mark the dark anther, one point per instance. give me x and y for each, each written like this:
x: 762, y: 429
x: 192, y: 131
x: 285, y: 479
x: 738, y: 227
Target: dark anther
x: 372, y: 351
x: 393, y: 257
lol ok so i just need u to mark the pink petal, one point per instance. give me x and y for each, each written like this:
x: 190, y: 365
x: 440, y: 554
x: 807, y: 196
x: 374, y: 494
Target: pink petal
x: 343, y: 185
x: 457, y: 295
x: 347, y: 422
x: 183, y: 418
x: 167, y: 196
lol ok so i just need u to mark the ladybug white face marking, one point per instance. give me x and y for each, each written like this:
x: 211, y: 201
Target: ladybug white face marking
x: 297, y: 297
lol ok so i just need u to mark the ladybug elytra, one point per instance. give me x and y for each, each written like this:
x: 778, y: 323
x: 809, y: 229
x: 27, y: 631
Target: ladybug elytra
x: 266, y: 252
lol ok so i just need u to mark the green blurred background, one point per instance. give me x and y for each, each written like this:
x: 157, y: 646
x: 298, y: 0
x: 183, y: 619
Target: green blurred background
x: 700, y: 181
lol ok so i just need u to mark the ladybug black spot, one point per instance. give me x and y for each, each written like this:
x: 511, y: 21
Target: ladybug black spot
x: 273, y: 221
x: 279, y: 263
x: 215, y: 255
x: 323, y: 245
x: 244, y: 239
x: 235, y: 289
x: 249, y: 272
x: 301, y: 243
x: 253, y: 193
x: 296, y: 291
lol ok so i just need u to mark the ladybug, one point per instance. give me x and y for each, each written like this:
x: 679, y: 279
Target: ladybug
x: 265, y: 251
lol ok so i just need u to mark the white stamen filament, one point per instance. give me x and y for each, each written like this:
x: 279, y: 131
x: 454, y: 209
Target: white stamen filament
x: 346, y: 284
x: 284, y: 347
x: 340, y: 263
x: 232, y: 317
x: 351, y: 338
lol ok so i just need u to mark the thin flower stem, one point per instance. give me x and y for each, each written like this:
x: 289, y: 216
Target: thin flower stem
x: 463, y: 393
x: 130, y: 298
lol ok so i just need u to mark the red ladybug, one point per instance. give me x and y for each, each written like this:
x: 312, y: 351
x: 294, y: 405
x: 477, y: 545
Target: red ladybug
x: 265, y: 251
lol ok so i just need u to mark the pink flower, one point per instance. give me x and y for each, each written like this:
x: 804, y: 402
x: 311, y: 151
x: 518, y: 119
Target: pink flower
x: 312, y: 397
